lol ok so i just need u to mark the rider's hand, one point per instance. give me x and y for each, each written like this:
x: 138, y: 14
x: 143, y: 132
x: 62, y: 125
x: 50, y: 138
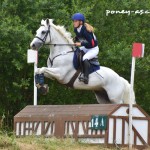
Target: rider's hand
x: 77, y: 44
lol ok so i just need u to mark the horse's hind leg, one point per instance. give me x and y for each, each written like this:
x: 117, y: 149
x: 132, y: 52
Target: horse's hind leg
x: 102, y: 97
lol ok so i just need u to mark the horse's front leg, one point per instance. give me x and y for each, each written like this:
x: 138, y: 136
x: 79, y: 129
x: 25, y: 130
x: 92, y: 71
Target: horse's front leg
x: 53, y: 73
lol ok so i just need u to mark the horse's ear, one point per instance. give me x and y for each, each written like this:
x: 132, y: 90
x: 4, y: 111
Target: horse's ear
x: 47, y: 21
x: 42, y: 21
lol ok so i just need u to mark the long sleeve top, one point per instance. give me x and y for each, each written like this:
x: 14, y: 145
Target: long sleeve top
x: 86, y: 38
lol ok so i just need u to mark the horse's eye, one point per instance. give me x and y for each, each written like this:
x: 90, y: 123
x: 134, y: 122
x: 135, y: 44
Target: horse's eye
x: 43, y: 32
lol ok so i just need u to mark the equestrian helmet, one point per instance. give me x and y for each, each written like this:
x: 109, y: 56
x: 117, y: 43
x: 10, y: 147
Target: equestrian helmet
x: 78, y: 16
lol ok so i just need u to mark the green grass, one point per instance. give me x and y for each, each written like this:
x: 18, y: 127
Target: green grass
x: 7, y: 142
x: 10, y: 142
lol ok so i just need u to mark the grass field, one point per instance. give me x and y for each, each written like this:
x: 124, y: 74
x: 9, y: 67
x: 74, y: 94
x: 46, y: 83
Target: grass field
x: 10, y: 142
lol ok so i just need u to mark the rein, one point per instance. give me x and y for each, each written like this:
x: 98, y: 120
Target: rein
x: 60, y: 44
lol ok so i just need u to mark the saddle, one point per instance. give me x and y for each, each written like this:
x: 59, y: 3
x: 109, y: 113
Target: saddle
x: 78, y: 62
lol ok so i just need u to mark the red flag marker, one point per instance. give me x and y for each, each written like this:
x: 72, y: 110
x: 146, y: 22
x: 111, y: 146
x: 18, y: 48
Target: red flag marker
x: 138, y: 50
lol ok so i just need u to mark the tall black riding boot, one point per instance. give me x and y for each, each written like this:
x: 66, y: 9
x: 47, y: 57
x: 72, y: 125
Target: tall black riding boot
x: 86, y: 65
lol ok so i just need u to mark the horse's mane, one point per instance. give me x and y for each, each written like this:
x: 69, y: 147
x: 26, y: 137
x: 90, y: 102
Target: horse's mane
x: 61, y: 29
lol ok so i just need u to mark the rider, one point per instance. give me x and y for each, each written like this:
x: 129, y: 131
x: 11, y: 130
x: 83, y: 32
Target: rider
x: 87, y: 41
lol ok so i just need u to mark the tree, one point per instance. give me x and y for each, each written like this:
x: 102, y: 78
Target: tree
x: 116, y: 32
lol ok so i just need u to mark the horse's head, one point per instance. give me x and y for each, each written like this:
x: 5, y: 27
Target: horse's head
x: 43, y: 35
x: 49, y: 33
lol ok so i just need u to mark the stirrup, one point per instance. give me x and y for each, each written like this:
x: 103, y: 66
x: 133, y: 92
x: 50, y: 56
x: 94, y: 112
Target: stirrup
x: 81, y: 77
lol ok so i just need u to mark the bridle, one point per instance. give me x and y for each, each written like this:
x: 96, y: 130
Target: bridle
x: 48, y: 32
x: 45, y: 37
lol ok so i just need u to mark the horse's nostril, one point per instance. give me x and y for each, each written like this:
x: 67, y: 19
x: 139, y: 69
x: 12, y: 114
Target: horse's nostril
x: 33, y: 45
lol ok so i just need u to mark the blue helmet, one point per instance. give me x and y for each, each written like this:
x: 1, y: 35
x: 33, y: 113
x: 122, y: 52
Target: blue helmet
x: 78, y: 16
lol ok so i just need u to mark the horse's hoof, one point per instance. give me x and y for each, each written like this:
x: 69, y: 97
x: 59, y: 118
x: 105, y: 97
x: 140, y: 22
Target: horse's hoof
x: 38, y: 86
x: 44, y: 89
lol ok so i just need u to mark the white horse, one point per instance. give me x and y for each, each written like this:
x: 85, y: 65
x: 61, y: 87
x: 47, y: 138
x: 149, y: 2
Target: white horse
x: 108, y: 86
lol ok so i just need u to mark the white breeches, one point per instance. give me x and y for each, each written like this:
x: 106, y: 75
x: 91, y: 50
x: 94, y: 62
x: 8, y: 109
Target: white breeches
x: 89, y: 53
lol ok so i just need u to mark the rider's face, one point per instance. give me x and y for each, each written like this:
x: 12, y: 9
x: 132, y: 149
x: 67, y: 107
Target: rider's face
x: 76, y: 23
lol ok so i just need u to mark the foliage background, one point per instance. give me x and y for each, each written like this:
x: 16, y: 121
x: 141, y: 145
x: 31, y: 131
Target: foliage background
x: 19, y: 20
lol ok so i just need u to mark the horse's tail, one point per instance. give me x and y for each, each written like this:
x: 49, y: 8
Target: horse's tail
x: 126, y: 95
